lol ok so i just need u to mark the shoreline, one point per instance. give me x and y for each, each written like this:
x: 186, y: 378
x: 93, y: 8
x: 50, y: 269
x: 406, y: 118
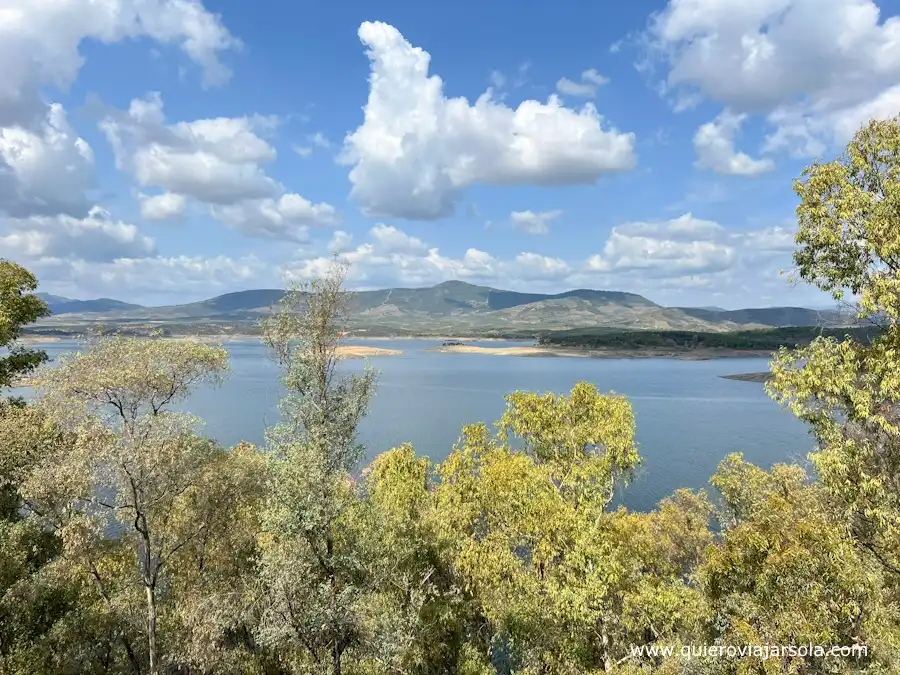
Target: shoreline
x: 570, y: 352
x: 356, y: 351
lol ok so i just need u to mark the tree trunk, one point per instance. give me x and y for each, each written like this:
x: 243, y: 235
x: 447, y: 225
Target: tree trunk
x: 605, y: 643
x: 151, y: 628
x: 336, y: 658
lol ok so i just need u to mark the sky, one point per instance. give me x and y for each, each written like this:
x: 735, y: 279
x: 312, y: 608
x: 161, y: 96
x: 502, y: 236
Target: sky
x: 166, y: 151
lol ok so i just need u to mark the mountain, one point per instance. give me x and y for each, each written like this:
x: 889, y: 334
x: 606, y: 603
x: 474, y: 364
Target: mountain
x: 452, y: 307
x: 446, y: 299
x: 772, y: 316
x: 62, y: 305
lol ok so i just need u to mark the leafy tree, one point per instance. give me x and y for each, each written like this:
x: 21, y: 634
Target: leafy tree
x: 18, y: 307
x: 127, y: 493
x: 563, y: 585
x: 310, y: 563
x: 787, y: 573
x: 849, y: 243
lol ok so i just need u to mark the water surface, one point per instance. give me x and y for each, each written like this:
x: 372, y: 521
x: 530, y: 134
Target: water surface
x: 688, y: 418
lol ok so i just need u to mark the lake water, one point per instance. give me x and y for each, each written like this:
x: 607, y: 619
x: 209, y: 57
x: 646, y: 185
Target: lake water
x: 688, y: 418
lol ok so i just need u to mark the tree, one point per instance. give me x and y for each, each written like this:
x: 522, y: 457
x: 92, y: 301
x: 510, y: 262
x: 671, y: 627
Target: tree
x: 310, y: 563
x: 786, y: 573
x: 123, y: 491
x: 849, y: 243
x: 563, y: 585
x: 18, y: 308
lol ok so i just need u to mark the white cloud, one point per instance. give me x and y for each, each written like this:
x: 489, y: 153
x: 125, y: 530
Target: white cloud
x: 217, y: 162
x: 533, y: 223
x: 95, y: 238
x: 714, y: 144
x: 212, y: 160
x: 45, y: 167
x: 318, y: 139
x: 340, y: 241
x: 692, y: 251
x: 288, y: 217
x: 391, y: 240
x: 649, y: 257
x: 165, y: 206
x: 586, y: 88
x: 417, y: 150
x: 153, y: 280
x: 40, y: 42
x: 816, y: 69
x: 391, y: 257
x: 681, y: 246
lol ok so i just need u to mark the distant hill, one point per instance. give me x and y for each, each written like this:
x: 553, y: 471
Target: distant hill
x: 62, y: 305
x: 772, y: 316
x: 452, y: 307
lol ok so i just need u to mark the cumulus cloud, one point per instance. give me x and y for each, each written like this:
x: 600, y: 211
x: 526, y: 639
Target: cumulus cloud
x: 288, y: 217
x: 154, y: 280
x: 533, y: 223
x: 95, y: 238
x: 45, y: 167
x: 392, y: 257
x: 316, y: 140
x: 681, y: 246
x: 691, y: 255
x: 815, y: 69
x: 165, y: 206
x: 714, y: 145
x: 417, y: 149
x: 649, y: 257
x: 217, y: 162
x: 340, y: 241
x: 591, y: 80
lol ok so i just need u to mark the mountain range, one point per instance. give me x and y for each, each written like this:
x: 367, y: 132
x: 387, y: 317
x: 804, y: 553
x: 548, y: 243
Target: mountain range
x: 452, y: 307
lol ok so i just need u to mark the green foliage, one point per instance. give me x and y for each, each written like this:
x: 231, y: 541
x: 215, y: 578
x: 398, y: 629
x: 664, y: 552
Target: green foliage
x: 786, y: 571
x: 848, y: 242
x: 18, y: 308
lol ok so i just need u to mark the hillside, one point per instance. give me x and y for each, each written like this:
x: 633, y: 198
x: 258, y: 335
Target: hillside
x: 771, y: 316
x: 449, y: 308
x: 62, y: 305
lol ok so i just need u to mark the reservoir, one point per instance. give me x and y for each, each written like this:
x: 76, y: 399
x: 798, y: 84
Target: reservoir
x: 688, y: 417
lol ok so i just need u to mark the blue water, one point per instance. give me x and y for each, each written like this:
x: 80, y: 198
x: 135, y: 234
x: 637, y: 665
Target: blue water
x: 688, y: 418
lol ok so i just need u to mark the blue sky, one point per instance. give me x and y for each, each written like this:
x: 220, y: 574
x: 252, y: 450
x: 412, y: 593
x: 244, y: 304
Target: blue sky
x: 170, y: 151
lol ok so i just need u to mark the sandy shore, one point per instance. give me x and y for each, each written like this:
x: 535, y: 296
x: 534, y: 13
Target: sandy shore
x: 688, y: 355
x: 359, y: 352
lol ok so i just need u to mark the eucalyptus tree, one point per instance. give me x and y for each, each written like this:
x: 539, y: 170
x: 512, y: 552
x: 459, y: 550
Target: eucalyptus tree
x: 563, y: 584
x: 849, y: 245
x: 127, y: 492
x: 310, y: 561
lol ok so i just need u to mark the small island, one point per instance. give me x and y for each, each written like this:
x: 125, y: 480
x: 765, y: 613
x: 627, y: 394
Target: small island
x: 361, y: 352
